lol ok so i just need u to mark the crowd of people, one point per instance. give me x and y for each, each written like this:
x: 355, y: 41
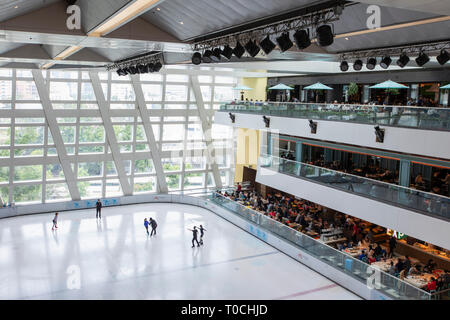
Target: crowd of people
x: 308, y: 217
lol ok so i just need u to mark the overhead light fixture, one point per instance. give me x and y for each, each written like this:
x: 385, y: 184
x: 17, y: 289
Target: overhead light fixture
x: 197, y: 58
x: 301, y: 38
x: 216, y: 54
x: 227, y: 52
x: 385, y: 62
x: 121, y: 72
x: 133, y: 70
x: 403, y: 60
x: 207, y: 56
x: 344, y: 66
x: 357, y: 65
x: 443, y: 57
x: 284, y: 42
x: 239, y: 50
x: 126, y: 70
x: 422, y: 59
x: 325, y: 35
x: 157, y: 66
x: 151, y: 67
x: 371, y: 63
x: 252, y: 48
x: 142, y: 68
x: 267, y: 45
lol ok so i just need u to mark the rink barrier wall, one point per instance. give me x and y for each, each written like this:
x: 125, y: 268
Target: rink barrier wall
x: 275, y: 241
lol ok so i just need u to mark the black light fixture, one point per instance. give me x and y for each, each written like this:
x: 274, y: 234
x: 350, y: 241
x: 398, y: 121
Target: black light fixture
x: 325, y: 35
x: 197, y: 58
x: 443, y: 57
x: 151, y: 67
x: 344, y: 66
x: 403, y: 60
x: 121, y: 72
x: 207, y: 56
x: 385, y: 62
x: 227, y: 52
x: 379, y: 134
x: 157, y: 66
x: 313, y: 126
x: 422, y: 59
x: 142, y: 68
x: 266, y: 121
x: 239, y: 50
x: 357, y: 65
x: 216, y: 54
x: 301, y: 38
x: 232, y: 117
x: 252, y: 48
x: 371, y: 63
x: 284, y: 42
x: 133, y: 69
x: 126, y: 70
x: 267, y: 45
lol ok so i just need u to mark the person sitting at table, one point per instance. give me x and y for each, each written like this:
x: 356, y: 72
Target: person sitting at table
x: 391, y: 270
x: 362, y: 255
x: 431, y: 286
x: 414, y: 270
x: 378, y: 250
x: 429, y: 267
x: 371, y: 259
x: 399, y: 266
x: 419, y: 180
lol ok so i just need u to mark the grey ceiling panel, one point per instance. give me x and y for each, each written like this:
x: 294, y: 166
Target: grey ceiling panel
x: 117, y: 54
x: 441, y: 7
x: 95, y: 12
x: 8, y: 10
x: 204, y: 16
x: 8, y: 46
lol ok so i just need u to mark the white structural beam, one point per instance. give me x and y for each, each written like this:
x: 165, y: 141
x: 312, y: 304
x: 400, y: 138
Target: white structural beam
x: 110, y: 135
x: 56, y: 134
x: 156, y: 155
x: 206, y: 126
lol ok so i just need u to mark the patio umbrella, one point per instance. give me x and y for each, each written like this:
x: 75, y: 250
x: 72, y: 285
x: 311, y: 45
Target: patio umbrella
x: 389, y: 84
x: 281, y: 86
x: 445, y: 87
x: 317, y: 86
x: 242, y: 88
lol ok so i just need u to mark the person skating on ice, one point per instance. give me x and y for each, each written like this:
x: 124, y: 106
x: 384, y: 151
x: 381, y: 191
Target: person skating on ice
x: 55, y: 222
x: 146, y: 225
x: 194, y: 236
x: 98, y: 207
x: 153, y: 224
x: 202, y: 232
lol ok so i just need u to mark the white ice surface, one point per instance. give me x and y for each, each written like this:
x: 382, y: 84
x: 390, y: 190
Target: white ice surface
x: 117, y: 260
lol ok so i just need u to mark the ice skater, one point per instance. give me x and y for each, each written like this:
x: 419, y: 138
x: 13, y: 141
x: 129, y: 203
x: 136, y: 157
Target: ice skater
x: 146, y: 225
x: 194, y: 236
x: 153, y: 224
x: 202, y: 233
x: 98, y: 206
x: 55, y: 222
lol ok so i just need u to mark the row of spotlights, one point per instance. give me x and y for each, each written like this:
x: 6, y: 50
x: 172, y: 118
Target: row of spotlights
x: 140, y: 68
x: 402, y: 61
x: 325, y: 37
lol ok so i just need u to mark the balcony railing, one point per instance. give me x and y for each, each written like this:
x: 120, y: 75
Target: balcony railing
x: 397, y: 116
x: 383, y: 282
x: 419, y: 201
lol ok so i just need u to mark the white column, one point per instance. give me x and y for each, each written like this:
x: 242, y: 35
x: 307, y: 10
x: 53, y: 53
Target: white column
x: 110, y: 135
x: 156, y: 155
x: 56, y: 134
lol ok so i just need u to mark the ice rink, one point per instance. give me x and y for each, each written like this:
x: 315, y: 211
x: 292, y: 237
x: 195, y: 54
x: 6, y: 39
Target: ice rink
x: 114, y: 259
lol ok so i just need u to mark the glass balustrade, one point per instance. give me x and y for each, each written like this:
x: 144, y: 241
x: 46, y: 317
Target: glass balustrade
x: 398, y: 116
x: 419, y: 201
x: 375, y: 278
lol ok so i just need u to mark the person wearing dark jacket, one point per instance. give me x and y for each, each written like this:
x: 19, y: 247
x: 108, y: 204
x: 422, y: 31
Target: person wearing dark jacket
x: 98, y: 207
x: 153, y: 224
x: 202, y: 232
x: 194, y: 236
x: 392, y: 245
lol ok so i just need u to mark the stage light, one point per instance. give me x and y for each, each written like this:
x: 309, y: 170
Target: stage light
x: 443, y: 57
x: 325, y: 35
x: 239, y: 50
x: 344, y: 66
x: 197, y: 58
x: 121, y: 72
x: 267, y: 45
x: 126, y: 70
x: 422, y: 59
x: 133, y: 70
x: 227, y: 52
x: 157, y: 66
x: 301, y: 38
x: 284, y: 42
x: 151, y: 67
x: 216, y: 55
x: 385, y: 62
x: 403, y: 60
x: 357, y: 65
x: 252, y: 48
x: 371, y: 63
x: 207, y: 56
x: 142, y: 68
